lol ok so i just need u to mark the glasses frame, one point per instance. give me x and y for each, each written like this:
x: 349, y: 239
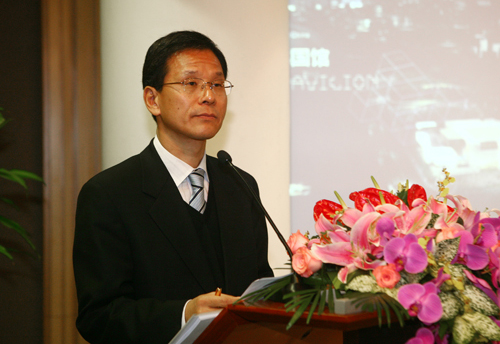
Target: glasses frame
x: 203, y: 85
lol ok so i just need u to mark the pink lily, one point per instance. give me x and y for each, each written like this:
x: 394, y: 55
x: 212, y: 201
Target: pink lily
x: 352, y: 215
x: 322, y: 225
x: 408, y: 221
x: 464, y: 210
x: 449, y: 232
x: 354, y: 254
x: 445, y: 217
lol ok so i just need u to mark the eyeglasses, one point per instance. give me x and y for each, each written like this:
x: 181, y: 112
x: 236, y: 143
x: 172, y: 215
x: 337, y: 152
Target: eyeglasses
x: 195, y: 85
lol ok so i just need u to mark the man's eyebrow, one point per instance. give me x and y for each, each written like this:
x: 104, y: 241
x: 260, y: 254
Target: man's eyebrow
x: 195, y: 72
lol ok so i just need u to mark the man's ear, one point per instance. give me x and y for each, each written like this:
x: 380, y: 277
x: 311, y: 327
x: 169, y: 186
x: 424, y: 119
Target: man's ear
x: 151, y: 100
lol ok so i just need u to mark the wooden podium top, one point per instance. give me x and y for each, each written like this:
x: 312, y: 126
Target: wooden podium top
x: 265, y: 322
x: 275, y: 310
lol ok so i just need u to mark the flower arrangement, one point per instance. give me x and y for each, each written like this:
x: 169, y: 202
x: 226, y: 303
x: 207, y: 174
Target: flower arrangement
x: 430, y: 258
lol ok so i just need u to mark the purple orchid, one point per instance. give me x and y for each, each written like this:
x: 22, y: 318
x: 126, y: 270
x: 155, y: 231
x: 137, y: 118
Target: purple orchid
x: 484, y: 232
x: 423, y: 336
x: 473, y: 256
x: 421, y: 301
x: 494, y: 266
x: 440, y: 278
x: 406, y: 253
x: 385, y: 228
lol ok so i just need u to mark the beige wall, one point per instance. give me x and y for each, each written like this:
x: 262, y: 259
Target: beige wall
x: 254, y: 38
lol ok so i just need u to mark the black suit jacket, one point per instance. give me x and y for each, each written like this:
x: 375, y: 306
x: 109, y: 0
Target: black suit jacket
x: 138, y: 259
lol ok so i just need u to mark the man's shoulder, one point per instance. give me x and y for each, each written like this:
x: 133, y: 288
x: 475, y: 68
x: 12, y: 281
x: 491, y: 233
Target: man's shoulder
x: 126, y: 171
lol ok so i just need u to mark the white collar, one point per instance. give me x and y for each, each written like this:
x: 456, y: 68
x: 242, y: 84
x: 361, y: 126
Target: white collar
x: 178, y: 169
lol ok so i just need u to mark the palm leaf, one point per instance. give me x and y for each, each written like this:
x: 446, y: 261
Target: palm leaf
x: 331, y: 302
x: 8, y: 201
x: 268, y: 291
x: 313, y: 306
x: 305, y: 301
x: 322, y: 302
x: 19, y: 176
x: 377, y: 302
x: 18, y: 228
x: 4, y: 251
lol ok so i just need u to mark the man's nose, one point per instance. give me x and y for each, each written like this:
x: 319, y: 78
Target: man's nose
x: 207, y: 93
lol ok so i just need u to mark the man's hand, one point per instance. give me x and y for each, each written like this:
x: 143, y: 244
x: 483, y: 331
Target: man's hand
x: 208, y: 303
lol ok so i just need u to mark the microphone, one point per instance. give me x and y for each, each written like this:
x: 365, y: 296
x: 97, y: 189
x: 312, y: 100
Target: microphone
x: 225, y: 158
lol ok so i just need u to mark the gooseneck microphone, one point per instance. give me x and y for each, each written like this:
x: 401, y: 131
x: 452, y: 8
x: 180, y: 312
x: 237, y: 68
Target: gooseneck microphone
x: 225, y: 158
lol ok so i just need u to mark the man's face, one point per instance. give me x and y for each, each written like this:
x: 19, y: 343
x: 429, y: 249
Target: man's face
x: 185, y: 118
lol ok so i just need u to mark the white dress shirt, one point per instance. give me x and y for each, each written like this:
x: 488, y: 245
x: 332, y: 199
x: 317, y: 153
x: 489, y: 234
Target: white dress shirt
x: 179, y: 171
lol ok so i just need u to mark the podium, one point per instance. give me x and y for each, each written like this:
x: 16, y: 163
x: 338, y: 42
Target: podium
x: 265, y: 322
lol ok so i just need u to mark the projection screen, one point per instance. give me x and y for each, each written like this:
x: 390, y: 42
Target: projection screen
x: 397, y: 89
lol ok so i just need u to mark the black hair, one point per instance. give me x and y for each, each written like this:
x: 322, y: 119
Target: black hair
x: 155, y: 65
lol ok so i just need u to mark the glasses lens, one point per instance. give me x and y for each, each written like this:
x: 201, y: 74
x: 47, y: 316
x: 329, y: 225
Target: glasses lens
x: 219, y: 87
x: 192, y: 85
x: 228, y: 87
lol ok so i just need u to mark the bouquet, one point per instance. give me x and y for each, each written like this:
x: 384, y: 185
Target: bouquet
x: 433, y: 258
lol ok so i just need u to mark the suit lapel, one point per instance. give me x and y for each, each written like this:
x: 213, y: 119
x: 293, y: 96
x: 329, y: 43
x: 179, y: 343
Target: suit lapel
x: 170, y: 214
x: 233, y: 210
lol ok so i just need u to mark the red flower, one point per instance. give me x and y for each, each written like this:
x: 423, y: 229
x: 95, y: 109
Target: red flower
x: 327, y: 208
x: 373, y: 195
x: 416, y: 191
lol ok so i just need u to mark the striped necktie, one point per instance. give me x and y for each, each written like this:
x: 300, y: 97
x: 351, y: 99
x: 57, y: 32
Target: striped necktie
x: 197, y: 201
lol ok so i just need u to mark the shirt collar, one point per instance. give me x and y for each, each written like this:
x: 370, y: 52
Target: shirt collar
x: 178, y: 169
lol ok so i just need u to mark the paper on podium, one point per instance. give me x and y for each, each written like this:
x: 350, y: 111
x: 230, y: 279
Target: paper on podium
x: 261, y: 283
x: 343, y: 306
x: 194, y: 327
x: 199, y: 322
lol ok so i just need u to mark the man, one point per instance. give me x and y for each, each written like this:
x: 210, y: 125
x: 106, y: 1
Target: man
x: 145, y: 259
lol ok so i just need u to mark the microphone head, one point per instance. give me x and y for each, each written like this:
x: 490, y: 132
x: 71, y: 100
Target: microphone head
x: 224, y: 157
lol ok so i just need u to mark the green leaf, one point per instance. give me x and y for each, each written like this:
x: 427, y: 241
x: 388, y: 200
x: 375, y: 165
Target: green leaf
x: 17, y: 227
x: 380, y: 301
x: 385, y: 306
x: 364, y: 283
x: 19, y: 176
x: 331, y: 302
x: 3, y: 121
x: 6, y: 174
x: 4, y: 251
x: 313, y: 306
x: 444, y: 326
x: 27, y: 175
x: 304, y: 304
x: 332, y: 275
x: 8, y: 201
x: 480, y: 302
x: 452, y: 305
x: 446, y: 250
x: 322, y: 302
x: 463, y: 332
x: 483, y: 325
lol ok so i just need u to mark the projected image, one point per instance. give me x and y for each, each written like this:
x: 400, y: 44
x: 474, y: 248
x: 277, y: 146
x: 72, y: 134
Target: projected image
x: 395, y: 89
